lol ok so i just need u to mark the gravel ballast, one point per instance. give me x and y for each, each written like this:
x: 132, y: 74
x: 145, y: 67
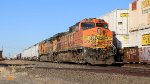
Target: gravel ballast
x: 23, y: 75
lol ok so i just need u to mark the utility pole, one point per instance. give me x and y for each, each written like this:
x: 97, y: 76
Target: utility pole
x: 1, y: 54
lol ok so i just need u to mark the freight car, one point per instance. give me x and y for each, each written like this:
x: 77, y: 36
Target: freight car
x: 136, y: 55
x: 88, y: 41
x: 139, y: 33
x: 31, y: 53
x: 140, y: 53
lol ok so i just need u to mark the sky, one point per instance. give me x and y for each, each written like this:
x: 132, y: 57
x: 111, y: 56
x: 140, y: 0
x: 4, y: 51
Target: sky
x: 24, y: 23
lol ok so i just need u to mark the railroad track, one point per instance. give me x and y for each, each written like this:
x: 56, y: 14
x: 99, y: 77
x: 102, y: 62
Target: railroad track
x: 109, y: 69
x: 127, y: 69
x: 146, y: 66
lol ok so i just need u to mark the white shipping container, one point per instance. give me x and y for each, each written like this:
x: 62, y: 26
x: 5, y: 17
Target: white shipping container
x: 31, y: 52
x: 136, y: 37
x: 117, y: 20
x: 139, y: 15
x: 122, y: 41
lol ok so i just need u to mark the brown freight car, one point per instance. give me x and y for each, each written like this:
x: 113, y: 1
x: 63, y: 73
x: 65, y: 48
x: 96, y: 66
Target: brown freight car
x: 131, y: 54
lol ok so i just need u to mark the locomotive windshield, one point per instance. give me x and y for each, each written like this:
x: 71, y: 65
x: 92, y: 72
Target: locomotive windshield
x: 102, y: 25
x: 87, y: 25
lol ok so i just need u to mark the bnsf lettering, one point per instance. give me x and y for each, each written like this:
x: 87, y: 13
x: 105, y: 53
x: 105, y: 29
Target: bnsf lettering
x: 98, y: 37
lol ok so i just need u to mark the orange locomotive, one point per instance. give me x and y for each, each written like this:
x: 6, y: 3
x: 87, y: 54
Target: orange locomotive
x: 88, y: 41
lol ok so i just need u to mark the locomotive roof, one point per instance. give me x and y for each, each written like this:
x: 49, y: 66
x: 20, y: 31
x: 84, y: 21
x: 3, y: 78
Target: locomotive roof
x: 56, y: 36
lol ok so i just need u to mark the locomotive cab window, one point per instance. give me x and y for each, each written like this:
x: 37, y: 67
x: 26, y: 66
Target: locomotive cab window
x: 87, y: 25
x: 102, y: 25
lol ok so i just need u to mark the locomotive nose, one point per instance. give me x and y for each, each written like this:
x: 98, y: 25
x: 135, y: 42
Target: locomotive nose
x: 101, y: 31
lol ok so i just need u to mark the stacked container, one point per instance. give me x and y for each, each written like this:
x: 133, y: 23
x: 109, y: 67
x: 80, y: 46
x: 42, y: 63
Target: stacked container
x: 118, y: 22
x: 139, y: 28
x: 139, y: 17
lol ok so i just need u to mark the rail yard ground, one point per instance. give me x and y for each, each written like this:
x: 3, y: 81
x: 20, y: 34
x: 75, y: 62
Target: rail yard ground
x: 31, y: 72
